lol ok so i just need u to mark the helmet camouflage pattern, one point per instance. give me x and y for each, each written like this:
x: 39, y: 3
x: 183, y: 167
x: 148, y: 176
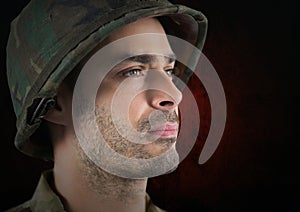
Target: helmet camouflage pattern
x: 50, y: 37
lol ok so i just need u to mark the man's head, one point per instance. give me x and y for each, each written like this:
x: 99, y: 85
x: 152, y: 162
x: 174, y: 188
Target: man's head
x: 50, y: 38
x: 129, y: 130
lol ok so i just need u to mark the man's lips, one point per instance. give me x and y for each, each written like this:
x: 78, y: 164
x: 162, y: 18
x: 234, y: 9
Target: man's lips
x: 167, y: 130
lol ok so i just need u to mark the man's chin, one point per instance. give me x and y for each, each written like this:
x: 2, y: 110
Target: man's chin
x: 160, y: 147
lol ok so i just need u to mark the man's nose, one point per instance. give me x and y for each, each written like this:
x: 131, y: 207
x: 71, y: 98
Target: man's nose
x: 162, y: 94
x: 162, y: 101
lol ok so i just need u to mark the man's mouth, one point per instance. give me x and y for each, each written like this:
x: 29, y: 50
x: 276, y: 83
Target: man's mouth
x: 167, y: 130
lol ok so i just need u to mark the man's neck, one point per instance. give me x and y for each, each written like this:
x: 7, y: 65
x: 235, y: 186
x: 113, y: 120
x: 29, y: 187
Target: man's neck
x: 85, y: 187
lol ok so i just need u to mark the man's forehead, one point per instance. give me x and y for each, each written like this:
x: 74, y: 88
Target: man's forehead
x: 143, y: 48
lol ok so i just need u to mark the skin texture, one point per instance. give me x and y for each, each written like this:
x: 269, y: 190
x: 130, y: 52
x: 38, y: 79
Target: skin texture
x: 82, y: 185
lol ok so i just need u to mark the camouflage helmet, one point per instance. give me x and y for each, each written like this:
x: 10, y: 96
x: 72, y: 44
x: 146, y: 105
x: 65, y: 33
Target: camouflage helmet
x: 50, y: 37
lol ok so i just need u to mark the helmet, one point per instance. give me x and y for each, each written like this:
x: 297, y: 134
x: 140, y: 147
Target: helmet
x: 50, y: 37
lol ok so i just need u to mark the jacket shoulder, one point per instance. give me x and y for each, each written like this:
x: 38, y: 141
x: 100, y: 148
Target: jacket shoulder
x: 24, y: 207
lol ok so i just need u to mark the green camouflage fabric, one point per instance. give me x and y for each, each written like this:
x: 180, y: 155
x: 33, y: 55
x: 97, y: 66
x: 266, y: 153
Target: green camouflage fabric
x: 50, y: 37
x: 44, y: 199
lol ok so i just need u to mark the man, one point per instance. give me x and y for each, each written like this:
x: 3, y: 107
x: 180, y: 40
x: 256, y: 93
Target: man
x: 104, y: 147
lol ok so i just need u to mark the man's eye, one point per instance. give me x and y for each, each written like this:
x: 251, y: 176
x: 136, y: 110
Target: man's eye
x: 170, y: 72
x: 133, y: 73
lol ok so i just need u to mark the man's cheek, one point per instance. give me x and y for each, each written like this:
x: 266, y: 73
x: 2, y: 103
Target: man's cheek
x: 104, y: 97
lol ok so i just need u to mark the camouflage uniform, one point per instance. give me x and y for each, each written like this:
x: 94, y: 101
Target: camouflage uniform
x: 44, y: 199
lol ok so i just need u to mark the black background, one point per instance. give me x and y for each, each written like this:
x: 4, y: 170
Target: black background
x: 253, y: 47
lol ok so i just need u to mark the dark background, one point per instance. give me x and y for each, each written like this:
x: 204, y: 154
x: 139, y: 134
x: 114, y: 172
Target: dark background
x: 252, y: 45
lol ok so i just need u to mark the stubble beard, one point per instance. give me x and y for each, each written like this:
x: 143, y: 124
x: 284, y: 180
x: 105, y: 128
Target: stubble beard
x: 101, y: 180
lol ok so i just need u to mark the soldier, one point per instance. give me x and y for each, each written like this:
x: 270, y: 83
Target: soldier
x: 74, y: 65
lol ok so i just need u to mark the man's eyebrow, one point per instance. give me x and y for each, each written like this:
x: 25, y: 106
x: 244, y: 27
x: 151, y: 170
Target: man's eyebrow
x: 148, y: 58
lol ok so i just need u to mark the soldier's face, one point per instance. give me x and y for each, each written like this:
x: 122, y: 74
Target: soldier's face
x: 136, y: 71
x: 137, y: 101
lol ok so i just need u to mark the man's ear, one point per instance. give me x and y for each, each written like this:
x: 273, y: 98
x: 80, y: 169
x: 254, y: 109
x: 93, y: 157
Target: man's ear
x: 61, y: 114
